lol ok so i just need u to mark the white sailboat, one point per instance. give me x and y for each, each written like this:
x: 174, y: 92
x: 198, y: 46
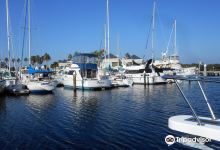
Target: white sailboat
x: 36, y: 80
x: 145, y: 73
x: 171, y: 63
x: 83, y: 74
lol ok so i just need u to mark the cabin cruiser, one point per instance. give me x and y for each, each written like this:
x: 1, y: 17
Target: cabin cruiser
x: 144, y: 73
x: 38, y: 80
x: 83, y: 74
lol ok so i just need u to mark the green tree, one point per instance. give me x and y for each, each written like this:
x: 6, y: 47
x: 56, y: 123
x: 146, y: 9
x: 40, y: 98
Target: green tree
x: 70, y: 57
x: 46, y: 57
x: 26, y: 60
x: 33, y: 60
x: 6, y: 60
x: 18, y: 61
x: 13, y: 61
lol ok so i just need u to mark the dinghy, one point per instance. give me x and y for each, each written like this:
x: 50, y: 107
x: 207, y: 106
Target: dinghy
x: 17, y: 89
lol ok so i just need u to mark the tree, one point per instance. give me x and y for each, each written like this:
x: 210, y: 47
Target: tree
x: 13, y: 61
x: 46, y: 57
x: 54, y: 65
x: 70, y: 57
x: 6, y: 60
x: 25, y: 60
x: 18, y: 60
x: 39, y: 59
x: 33, y: 60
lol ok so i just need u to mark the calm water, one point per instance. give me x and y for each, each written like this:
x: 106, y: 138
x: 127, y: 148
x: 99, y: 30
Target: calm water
x: 124, y: 118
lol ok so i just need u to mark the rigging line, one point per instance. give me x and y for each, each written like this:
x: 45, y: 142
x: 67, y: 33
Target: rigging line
x: 168, y: 45
x: 149, y: 33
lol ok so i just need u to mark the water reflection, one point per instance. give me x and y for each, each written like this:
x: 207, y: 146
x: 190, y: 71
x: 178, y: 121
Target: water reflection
x: 40, y: 102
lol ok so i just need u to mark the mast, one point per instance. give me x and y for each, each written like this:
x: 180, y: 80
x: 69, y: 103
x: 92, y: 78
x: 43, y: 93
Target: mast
x: 108, y: 33
x: 175, y: 50
x: 29, y: 30
x: 153, y: 28
x: 8, y: 36
x: 118, y: 44
x: 105, y: 42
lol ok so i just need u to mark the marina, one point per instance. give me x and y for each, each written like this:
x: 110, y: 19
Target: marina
x: 122, y: 118
x: 111, y: 91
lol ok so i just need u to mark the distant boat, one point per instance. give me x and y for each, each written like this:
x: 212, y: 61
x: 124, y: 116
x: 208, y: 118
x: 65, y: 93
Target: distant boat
x: 86, y: 74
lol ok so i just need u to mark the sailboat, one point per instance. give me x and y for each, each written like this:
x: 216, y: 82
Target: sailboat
x: 171, y: 63
x: 145, y: 73
x: 36, y: 80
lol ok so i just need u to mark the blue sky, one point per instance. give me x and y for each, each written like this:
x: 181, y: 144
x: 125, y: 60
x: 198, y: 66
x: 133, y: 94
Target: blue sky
x: 60, y: 27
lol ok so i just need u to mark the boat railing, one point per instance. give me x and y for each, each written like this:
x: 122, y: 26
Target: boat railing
x: 198, y: 80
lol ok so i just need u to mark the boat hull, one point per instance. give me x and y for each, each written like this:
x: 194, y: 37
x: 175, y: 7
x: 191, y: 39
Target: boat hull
x: 146, y: 80
x: 187, y: 124
x: 87, y: 83
x: 40, y: 87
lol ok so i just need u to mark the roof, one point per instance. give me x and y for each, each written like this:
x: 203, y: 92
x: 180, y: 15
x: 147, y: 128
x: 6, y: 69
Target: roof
x: 111, y: 56
x: 85, y: 54
x: 134, y: 57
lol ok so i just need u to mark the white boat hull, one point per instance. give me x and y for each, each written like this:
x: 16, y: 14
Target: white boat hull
x: 86, y: 83
x: 40, y: 86
x: 146, y: 80
x: 185, y: 124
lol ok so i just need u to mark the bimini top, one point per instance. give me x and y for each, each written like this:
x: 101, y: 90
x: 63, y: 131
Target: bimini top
x: 33, y: 71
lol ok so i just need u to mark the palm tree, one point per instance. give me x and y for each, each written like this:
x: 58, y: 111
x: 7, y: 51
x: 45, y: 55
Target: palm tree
x: 70, y: 57
x: 13, y: 61
x: 47, y: 57
x: 39, y: 60
x: 54, y: 65
x: 18, y: 61
x: 33, y: 60
x: 6, y: 60
x: 25, y: 60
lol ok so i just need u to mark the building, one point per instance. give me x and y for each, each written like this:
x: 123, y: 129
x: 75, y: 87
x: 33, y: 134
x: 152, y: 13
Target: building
x: 113, y: 61
x: 129, y: 60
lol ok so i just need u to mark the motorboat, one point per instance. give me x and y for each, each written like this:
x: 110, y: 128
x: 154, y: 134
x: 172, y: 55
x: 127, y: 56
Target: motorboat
x: 83, y: 74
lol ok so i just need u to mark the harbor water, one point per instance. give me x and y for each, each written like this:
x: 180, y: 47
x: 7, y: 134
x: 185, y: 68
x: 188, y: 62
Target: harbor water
x: 121, y: 118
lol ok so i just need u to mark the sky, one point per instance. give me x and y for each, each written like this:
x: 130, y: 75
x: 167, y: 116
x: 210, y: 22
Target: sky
x: 60, y: 27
